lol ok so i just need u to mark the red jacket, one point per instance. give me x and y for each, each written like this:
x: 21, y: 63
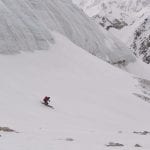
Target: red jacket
x: 46, y: 99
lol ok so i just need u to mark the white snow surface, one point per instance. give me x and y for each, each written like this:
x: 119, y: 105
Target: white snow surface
x: 94, y: 102
x: 26, y: 25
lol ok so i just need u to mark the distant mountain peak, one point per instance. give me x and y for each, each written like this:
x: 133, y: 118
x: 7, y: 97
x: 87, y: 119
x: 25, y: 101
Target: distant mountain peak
x: 124, y: 18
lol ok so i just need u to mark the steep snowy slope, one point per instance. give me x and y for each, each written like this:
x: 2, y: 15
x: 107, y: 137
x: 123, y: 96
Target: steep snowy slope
x: 124, y: 18
x: 91, y: 107
x: 25, y: 26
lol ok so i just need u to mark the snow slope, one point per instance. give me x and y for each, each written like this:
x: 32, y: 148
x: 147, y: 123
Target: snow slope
x: 25, y: 26
x: 91, y: 107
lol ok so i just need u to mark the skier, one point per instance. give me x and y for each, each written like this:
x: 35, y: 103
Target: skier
x: 46, y: 100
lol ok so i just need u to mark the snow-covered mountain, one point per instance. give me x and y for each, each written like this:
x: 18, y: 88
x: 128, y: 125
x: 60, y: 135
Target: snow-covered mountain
x: 96, y: 105
x: 25, y: 26
x: 124, y: 18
